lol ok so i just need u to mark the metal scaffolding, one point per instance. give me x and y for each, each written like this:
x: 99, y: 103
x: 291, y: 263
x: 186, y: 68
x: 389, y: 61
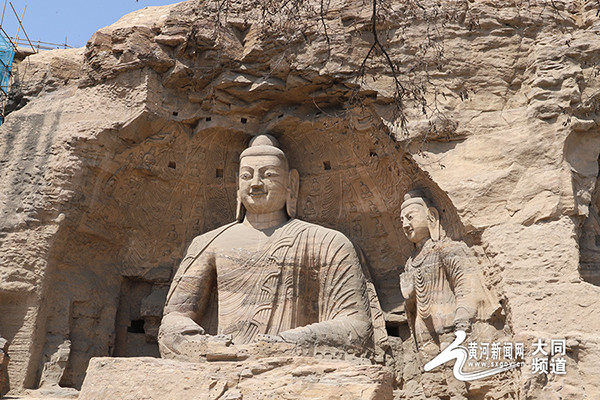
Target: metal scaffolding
x: 10, y: 47
x: 10, y: 51
x: 7, y: 54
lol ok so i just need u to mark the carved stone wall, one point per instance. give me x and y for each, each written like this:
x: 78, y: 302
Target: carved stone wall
x: 127, y: 149
x: 141, y: 206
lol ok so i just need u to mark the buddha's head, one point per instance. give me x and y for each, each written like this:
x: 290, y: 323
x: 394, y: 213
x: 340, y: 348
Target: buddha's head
x: 265, y: 182
x: 420, y: 220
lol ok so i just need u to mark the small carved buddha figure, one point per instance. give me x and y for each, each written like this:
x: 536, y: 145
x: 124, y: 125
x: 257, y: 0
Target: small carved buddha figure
x: 268, y: 276
x: 441, y: 283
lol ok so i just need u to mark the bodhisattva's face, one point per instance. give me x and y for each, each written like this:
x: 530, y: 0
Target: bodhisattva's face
x: 263, y: 183
x: 414, y: 223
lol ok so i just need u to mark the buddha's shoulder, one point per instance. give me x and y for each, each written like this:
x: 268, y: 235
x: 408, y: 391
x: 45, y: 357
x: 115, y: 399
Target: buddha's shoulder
x: 200, y: 242
x: 317, y: 230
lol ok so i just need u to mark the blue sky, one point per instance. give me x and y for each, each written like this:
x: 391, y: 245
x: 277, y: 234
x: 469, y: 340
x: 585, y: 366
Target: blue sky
x: 53, y: 20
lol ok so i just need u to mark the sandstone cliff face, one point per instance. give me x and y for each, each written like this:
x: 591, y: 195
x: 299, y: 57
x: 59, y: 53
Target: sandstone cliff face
x: 127, y: 149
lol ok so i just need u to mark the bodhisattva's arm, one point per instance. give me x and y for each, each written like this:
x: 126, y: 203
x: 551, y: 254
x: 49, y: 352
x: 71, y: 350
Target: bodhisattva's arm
x: 459, y: 263
x: 187, y: 300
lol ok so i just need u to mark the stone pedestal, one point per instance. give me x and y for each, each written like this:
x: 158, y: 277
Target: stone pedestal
x: 285, y: 377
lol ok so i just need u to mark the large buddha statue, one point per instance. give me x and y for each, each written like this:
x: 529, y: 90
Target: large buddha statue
x: 268, y: 276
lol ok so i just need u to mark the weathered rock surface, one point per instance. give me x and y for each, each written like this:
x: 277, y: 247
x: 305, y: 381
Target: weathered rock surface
x: 269, y: 378
x: 127, y: 149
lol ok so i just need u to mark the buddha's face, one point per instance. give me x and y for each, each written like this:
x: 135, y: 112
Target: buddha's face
x: 263, y: 183
x: 414, y: 223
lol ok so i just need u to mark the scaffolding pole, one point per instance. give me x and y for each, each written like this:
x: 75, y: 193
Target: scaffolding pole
x: 21, y: 26
x: 3, y: 10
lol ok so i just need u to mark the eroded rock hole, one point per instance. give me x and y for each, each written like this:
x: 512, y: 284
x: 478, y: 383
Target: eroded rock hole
x: 243, y: 120
x: 398, y: 329
x: 172, y: 164
x: 137, y: 326
x: 392, y: 330
x: 326, y: 165
x: 219, y: 173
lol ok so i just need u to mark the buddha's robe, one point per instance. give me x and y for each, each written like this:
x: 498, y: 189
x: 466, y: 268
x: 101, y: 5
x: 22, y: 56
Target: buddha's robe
x: 304, y: 284
x: 443, y: 286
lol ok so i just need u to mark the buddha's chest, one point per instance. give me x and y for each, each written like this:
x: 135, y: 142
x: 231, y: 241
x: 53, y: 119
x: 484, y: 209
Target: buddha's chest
x: 245, y: 269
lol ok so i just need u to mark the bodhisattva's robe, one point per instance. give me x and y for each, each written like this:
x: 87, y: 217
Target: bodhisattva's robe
x: 304, y: 283
x: 4, y: 381
x: 442, y: 286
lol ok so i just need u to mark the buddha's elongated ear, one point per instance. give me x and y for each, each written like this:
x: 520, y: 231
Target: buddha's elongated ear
x: 433, y: 222
x: 292, y: 197
x: 240, y: 210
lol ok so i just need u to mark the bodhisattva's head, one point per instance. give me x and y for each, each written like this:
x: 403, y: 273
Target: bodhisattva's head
x: 420, y: 220
x: 266, y: 184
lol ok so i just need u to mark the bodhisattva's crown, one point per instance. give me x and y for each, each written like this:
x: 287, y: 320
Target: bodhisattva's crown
x: 416, y: 196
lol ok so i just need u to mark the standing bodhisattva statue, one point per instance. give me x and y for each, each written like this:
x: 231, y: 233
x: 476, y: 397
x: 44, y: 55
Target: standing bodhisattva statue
x: 440, y: 282
x: 268, y: 276
x: 4, y: 382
